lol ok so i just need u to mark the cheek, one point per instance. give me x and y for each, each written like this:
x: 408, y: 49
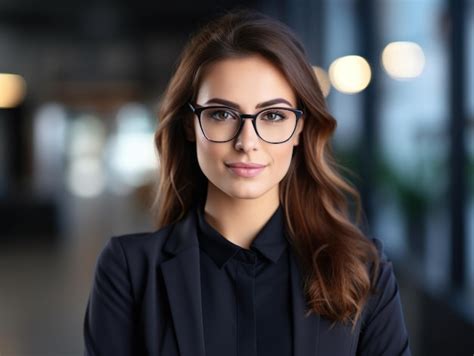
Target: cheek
x: 210, y: 155
x: 282, y: 160
x: 205, y: 151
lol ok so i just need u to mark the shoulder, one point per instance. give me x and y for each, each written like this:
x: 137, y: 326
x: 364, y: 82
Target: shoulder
x: 386, y: 288
x: 378, y: 243
x: 386, y: 274
x: 383, y: 329
x: 135, y: 248
x: 126, y: 261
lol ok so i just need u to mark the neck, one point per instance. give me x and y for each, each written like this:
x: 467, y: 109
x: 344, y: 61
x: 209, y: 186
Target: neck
x: 239, y: 220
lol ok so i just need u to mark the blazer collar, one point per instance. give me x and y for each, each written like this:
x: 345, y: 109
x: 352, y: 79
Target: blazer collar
x: 269, y: 242
x: 181, y: 274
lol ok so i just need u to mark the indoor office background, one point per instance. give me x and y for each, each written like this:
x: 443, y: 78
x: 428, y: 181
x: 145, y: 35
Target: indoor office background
x: 79, y: 88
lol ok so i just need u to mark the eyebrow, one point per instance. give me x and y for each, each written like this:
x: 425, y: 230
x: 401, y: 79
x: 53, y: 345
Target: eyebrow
x: 261, y: 105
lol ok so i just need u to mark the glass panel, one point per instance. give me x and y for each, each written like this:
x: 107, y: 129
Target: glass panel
x: 342, y: 41
x: 470, y: 150
x: 414, y: 139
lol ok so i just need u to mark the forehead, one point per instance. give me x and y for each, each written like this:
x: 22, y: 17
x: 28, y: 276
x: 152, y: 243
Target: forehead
x: 247, y: 81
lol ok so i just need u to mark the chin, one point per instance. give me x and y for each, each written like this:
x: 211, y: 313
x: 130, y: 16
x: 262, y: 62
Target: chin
x: 247, y: 192
x: 247, y: 196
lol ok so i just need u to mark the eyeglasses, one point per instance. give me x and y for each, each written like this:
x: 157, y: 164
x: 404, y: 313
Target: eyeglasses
x: 223, y: 124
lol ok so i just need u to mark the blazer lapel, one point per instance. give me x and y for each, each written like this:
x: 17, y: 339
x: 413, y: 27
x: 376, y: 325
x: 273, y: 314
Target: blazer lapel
x: 182, y: 279
x: 305, y: 330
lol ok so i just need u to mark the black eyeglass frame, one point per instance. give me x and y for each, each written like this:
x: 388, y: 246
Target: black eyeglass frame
x: 197, y: 110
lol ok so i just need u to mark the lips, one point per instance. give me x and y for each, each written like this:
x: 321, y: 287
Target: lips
x: 246, y: 170
x: 245, y: 165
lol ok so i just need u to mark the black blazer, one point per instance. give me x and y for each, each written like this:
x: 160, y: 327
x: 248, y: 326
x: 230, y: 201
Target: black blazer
x: 146, y: 300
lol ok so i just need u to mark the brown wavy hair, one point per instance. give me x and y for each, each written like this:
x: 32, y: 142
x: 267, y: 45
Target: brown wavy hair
x: 331, y: 249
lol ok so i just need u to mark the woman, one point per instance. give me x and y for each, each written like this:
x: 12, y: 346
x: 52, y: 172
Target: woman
x: 255, y: 252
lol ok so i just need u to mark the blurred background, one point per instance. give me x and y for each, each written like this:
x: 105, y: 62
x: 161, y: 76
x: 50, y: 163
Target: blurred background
x: 79, y: 89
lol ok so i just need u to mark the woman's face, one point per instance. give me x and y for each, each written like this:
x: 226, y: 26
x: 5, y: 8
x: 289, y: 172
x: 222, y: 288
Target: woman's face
x: 246, y: 82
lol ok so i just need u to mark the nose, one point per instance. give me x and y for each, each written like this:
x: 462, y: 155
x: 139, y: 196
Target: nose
x: 247, y: 136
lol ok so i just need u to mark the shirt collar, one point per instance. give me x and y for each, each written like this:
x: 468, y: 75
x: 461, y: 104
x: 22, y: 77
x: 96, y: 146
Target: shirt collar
x: 270, y: 241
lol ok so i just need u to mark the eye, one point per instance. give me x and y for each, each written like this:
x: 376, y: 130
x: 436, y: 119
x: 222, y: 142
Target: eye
x: 274, y: 115
x: 222, y: 114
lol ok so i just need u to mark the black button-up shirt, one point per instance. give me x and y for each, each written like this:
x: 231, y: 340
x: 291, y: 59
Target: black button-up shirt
x: 246, y: 292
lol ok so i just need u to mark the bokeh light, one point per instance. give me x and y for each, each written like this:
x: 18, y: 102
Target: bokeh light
x: 12, y: 90
x: 403, y: 60
x: 350, y: 74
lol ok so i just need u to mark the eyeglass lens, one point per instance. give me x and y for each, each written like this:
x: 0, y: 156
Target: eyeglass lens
x: 273, y: 125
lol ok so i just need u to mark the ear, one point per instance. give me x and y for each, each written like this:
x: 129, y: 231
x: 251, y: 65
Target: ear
x: 189, y: 129
x: 299, y: 128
